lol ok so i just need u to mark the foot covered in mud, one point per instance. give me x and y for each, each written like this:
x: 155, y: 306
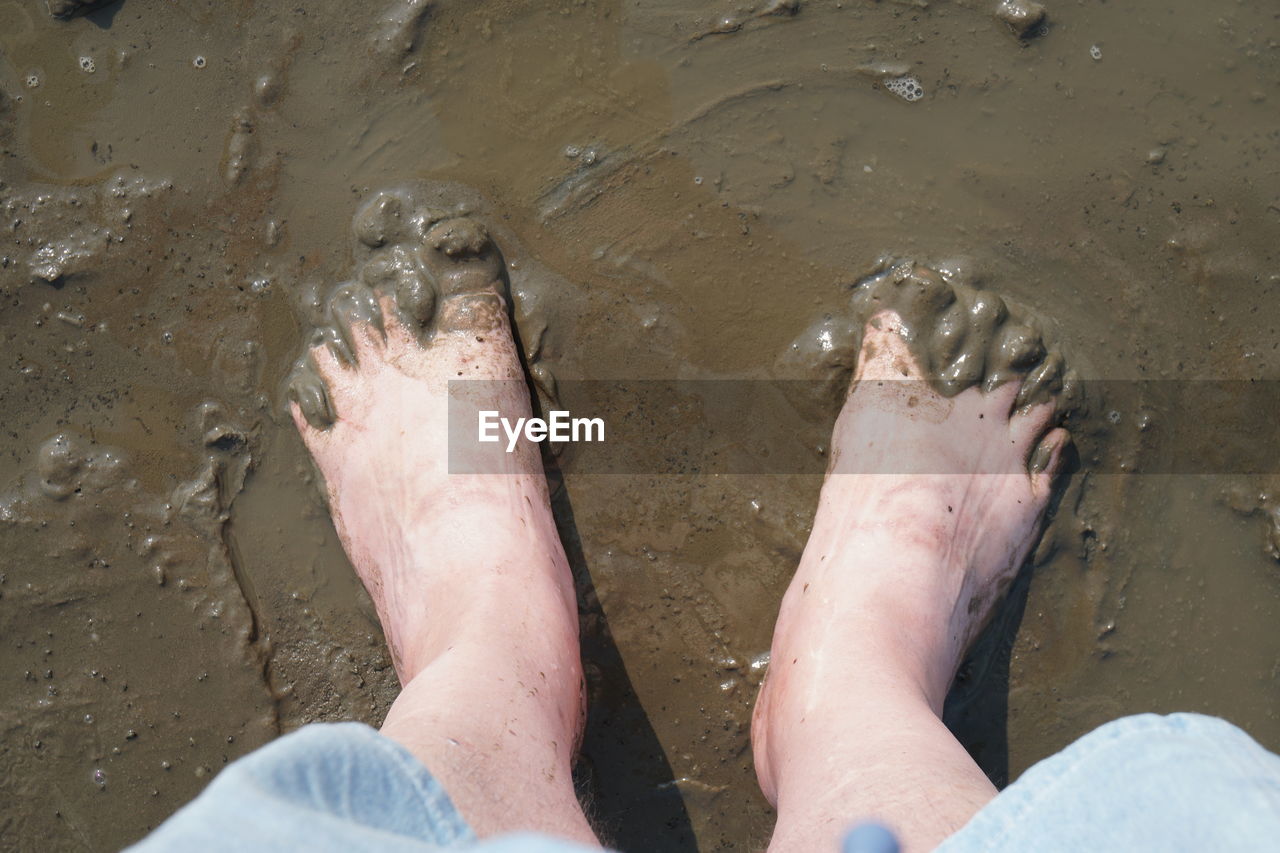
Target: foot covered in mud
x: 943, y: 462
x: 370, y: 397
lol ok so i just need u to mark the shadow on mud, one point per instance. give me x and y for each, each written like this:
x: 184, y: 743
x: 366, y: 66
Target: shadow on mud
x: 623, y: 778
x: 977, y: 708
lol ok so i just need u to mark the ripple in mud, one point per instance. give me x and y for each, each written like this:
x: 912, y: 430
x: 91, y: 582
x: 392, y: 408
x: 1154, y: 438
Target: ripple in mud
x: 65, y: 468
x: 115, y: 603
x: 59, y: 232
x: 1254, y: 500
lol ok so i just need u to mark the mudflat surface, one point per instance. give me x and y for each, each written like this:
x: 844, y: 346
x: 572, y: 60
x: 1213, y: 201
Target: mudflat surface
x: 698, y: 183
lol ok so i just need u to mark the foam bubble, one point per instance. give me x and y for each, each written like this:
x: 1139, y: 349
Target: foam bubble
x: 907, y: 88
x: 86, y: 64
x: 1095, y: 52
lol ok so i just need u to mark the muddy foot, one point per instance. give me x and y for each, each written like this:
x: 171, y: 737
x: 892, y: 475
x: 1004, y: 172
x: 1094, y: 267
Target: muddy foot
x: 943, y: 461
x: 371, y: 400
x: 962, y: 462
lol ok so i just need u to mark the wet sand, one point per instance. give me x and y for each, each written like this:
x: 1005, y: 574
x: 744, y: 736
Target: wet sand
x: 691, y: 189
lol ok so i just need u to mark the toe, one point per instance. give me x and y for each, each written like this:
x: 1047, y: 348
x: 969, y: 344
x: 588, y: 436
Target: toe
x: 329, y: 355
x: 355, y: 314
x: 397, y: 274
x: 309, y: 403
x: 1043, y: 380
x: 885, y: 354
x: 1046, y: 462
x: 300, y: 420
x: 997, y: 401
x: 950, y: 333
x: 459, y: 238
x: 924, y: 293
x: 467, y: 269
x: 475, y: 313
x: 415, y: 300
x: 1027, y: 426
x: 401, y: 329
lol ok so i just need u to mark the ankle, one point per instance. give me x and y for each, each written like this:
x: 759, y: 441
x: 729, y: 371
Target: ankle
x: 500, y: 618
x: 844, y: 633
x: 808, y: 711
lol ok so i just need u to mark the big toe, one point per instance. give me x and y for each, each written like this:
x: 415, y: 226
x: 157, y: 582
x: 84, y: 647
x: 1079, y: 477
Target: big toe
x: 467, y: 269
x: 885, y: 354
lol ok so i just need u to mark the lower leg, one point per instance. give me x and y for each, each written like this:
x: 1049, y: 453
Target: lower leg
x: 855, y: 733
x: 492, y: 698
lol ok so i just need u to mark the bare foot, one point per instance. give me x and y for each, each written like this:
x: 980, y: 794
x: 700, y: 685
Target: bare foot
x: 466, y: 570
x: 378, y: 394
x: 931, y: 505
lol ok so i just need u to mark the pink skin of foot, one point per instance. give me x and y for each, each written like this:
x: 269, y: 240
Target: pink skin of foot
x: 927, y: 512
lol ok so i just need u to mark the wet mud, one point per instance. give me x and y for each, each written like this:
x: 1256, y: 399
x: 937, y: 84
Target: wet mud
x: 687, y: 189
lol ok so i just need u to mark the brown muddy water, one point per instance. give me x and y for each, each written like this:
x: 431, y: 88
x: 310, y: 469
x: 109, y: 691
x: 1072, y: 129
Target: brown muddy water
x: 698, y: 183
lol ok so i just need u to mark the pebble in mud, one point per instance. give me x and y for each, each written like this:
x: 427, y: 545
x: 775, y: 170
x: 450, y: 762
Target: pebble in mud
x: 1024, y: 17
x: 961, y: 335
x: 417, y: 248
x: 266, y: 89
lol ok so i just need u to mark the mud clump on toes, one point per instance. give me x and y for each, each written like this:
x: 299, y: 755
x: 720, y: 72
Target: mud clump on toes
x: 960, y: 335
x: 421, y: 254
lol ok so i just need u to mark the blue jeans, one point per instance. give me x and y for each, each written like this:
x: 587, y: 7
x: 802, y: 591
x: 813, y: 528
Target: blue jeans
x: 1181, y: 782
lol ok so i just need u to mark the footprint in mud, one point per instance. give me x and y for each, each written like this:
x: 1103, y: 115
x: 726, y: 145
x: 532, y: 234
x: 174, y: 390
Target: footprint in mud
x: 418, y: 248
x: 962, y: 336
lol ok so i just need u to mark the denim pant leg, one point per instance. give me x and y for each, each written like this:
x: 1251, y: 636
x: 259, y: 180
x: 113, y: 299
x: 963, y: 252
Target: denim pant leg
x: 329, y: 787
x: 1181, y: 782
